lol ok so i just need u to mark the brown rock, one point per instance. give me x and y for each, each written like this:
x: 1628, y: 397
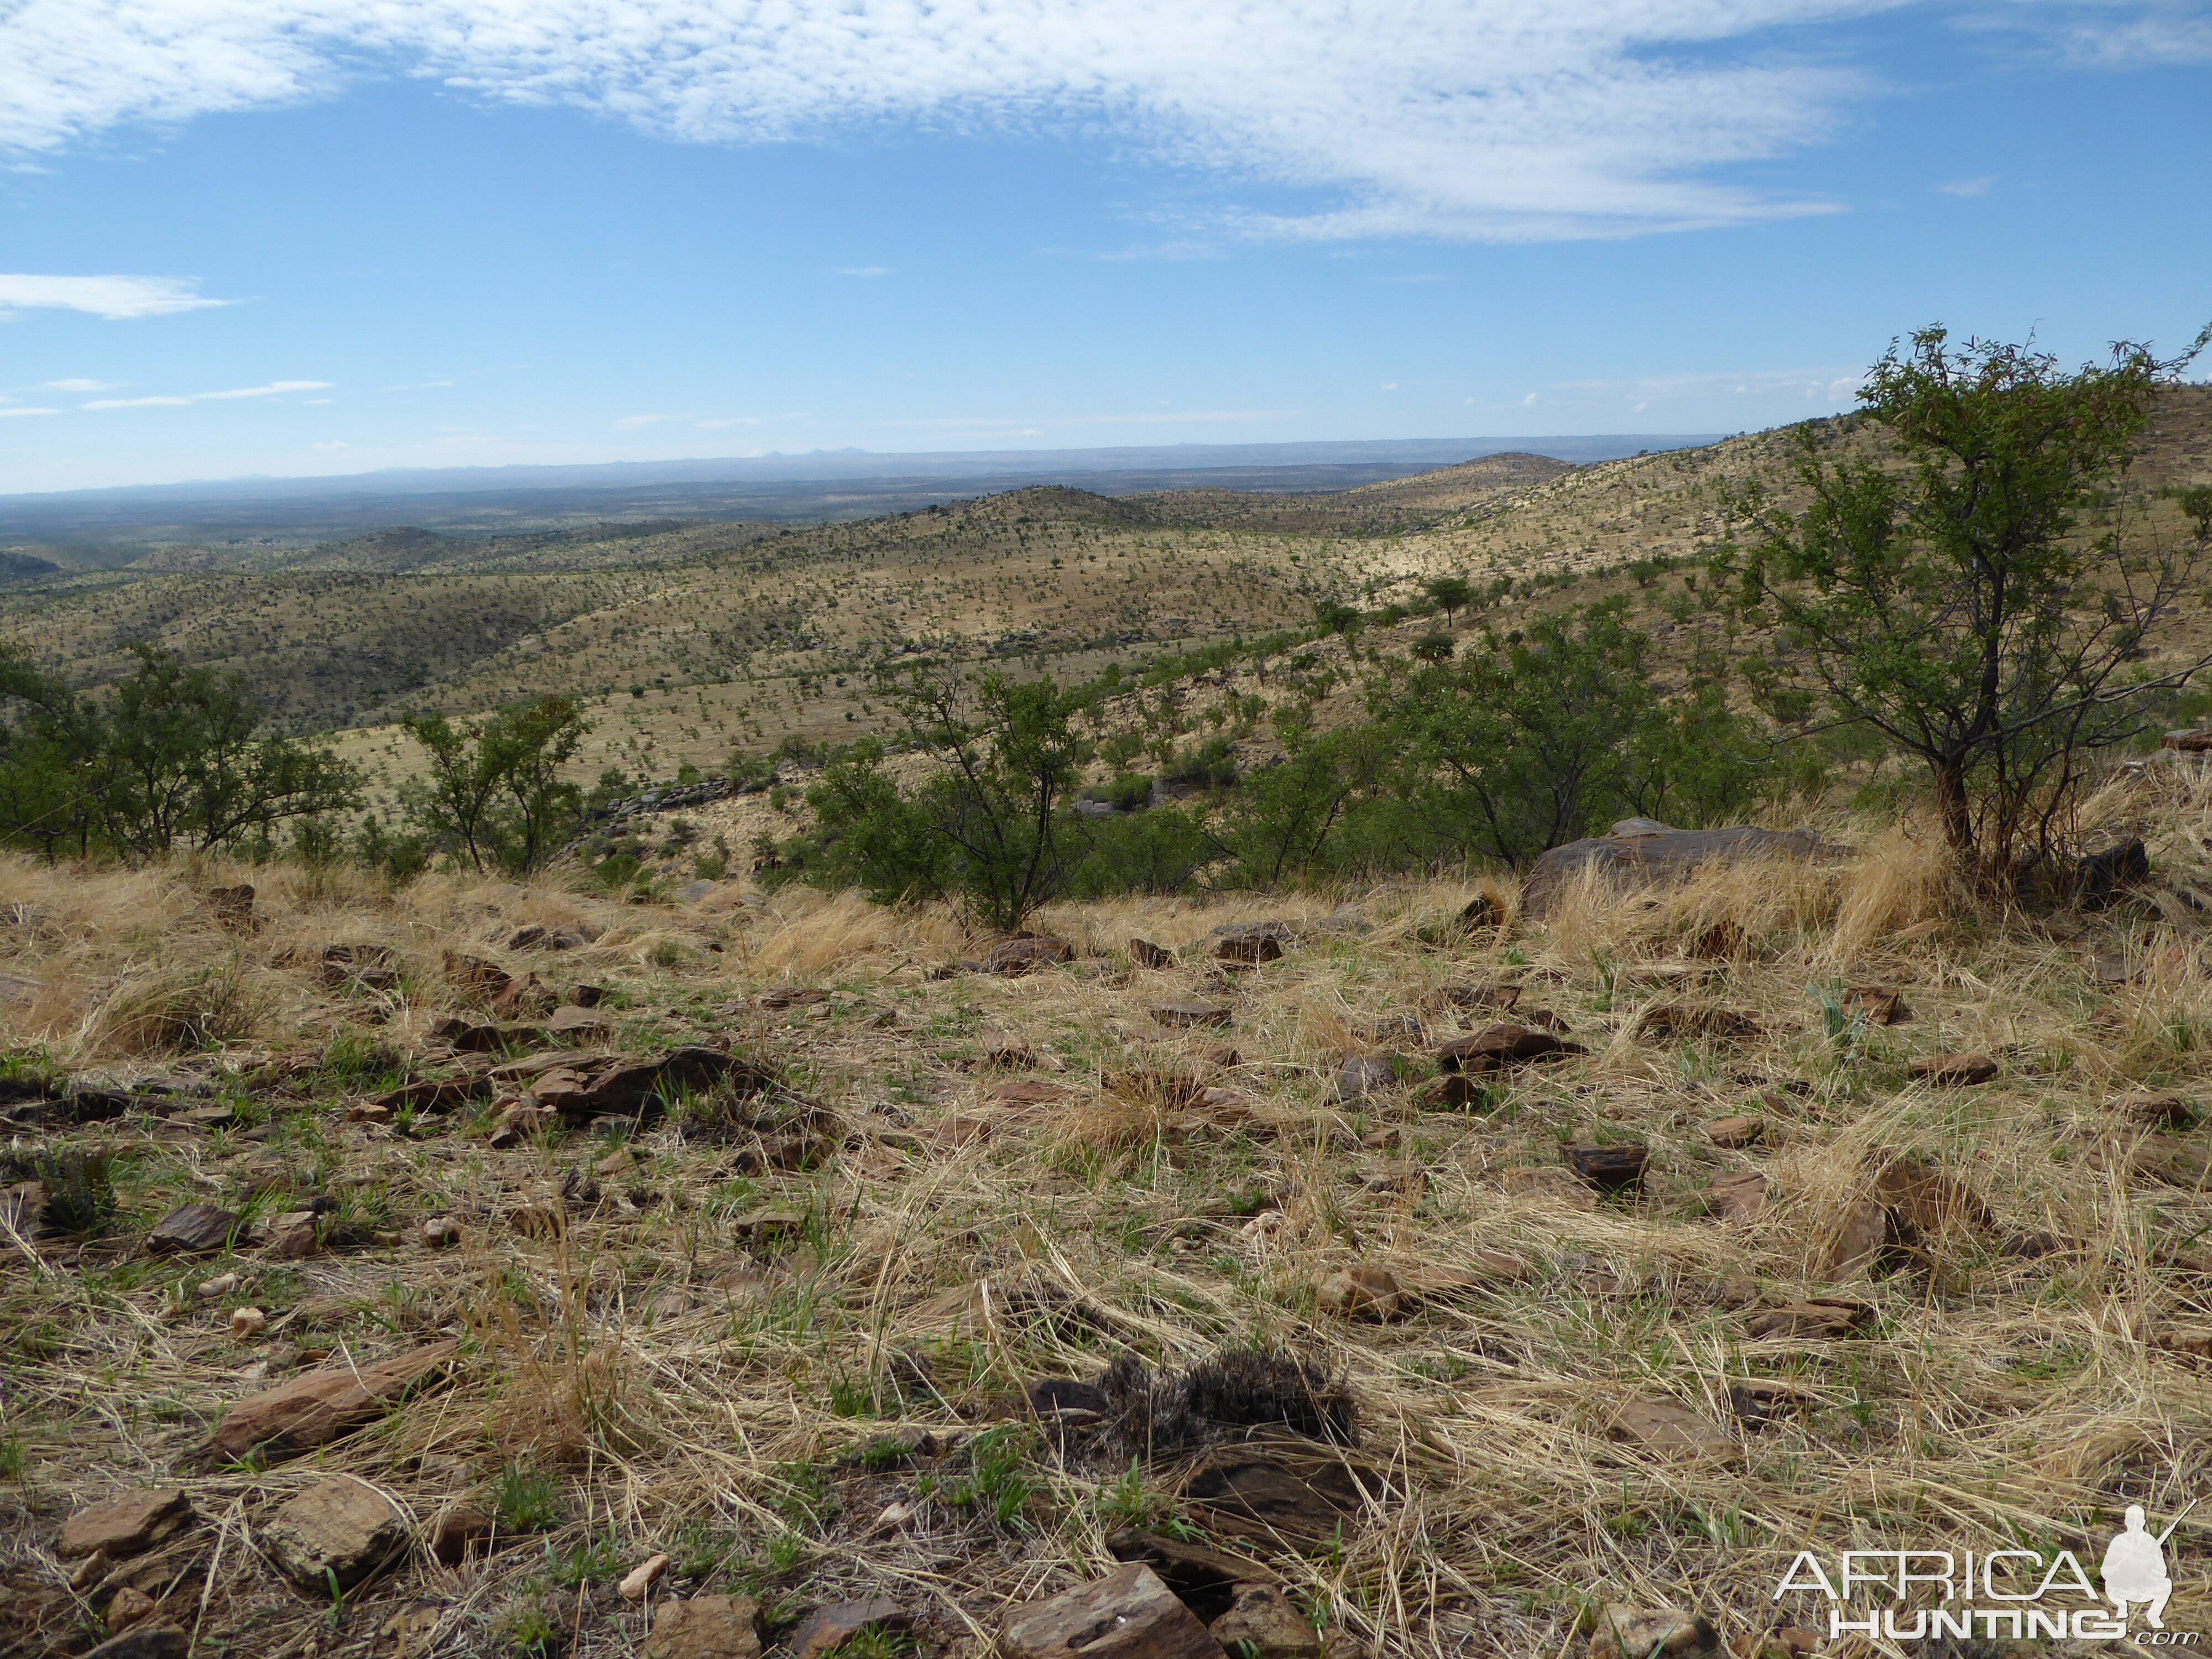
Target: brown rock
x: 576, y: 1024
x: 585, y: 996
x: 2162, y: 1111
x: 1023, y: 1091
x: 193, y: 1230
x: 831, y: 1626
x: 1653, y: 1633
x: 1954, y: 1071
x: 1025, y: 953
x: 1821, y: 1316
x: 320, y: 1406
x: 1266, y: 1619
x: 1738, y: 1198
x: 704, y: 1627
x: 1609, y: 1169
x: 1128, y: 1614
x: 441, y: 1232
x: 339, y: 1527
x: 777, y: 999
x: 128, y: 1606
x: 128, y: 1524
x: 1145, y: 954
x: 1549, y: 1181
x: 1282, y: 1493
x: 458, y: 1527
x: 1365, y: 1292
x: 1859, y: 1238
x: 1204, y: 1579
x: 1877, y: 1005
x: 758, y: 1227
x: 1501, y: 1046
x: 246, y: 1323
x: 474, y: 977
x: 1003, y: 1052
x: 1252, y: 944
x: 526, y: 997
x: 1188, y: 1012
x: 1735, y: 1132
x: 1661, y: 1426
x: 294, y: 1236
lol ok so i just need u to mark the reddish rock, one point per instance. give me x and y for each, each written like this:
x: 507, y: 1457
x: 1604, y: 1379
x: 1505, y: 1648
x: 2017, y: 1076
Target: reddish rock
x: 1954, y: 1071
x: 1025, y: 953
x: 1609, y: 1169
x: 1661, y: 1426
x: 1501, y: 1046
x: 320, y: 1406
x: 1268, y: 1625
x: 128, y: 1524
x: 1653, y: 1633
x: 1738, y: 1198
x: 1187, y: 1013
x: 1859, y: 1238
x: 192, y: 1230
x: 704, y: 1627
x: 1128, y: 1614
x: 474, y: 977
x: 1363, y: 1292
x: 831, y: 1626
x: 1145, y: 954
x: 1735, y: 1132
x: 457, y: 1528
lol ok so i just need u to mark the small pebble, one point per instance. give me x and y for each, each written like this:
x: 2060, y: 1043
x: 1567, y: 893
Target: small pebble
x: 441, y: 1231
x: 643, y: 1576
x: 222, y: 1284
x: 246, y: 1324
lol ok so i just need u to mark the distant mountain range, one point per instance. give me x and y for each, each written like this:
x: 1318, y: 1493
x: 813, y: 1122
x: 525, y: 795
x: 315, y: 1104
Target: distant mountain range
x: 824, y: 484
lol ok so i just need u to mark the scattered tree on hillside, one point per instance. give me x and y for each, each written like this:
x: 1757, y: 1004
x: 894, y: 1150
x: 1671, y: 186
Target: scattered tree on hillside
x: 1987, y: 603
x: 494, y: 791
x: 171, y: 757
x: 1449, y: 593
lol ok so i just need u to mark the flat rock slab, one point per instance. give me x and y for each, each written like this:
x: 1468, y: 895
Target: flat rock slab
x: 828, y: 1627
x: 577, y: 1023
x: 339, y: 1529
x: 1497, y: 1047
x: 1145, y: 954
x: 1128, y: 1614
x: 1954, y: 1071
x: 704, y: 1627
x: 1646, y: 860
x: 1672, y: 1430
x: 310, y: 1410
x: 1022, y: 956
x: 1269, y: 1625
x: 1609, y: 1169
x: 128, y: 1524
x: 192, y: 1230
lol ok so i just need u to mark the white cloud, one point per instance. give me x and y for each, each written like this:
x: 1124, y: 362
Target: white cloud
x: 2112, y: 33
x: 26, y: 411
x: 78, y: 386
x: 730, y: 420
x: 419, y: 385
x: 1389, y: 385
x: 1530, y: 401
x: 274, y: 388
x: 1967, y: 186
x: 630, y: 420
x: 1493, y: 119
x: 111, y: 297
x: 863, y: 270
x: 1835, y: 387
x: 334, y: 444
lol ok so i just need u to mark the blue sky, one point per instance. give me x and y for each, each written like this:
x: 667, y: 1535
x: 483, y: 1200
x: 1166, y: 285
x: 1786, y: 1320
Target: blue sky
x: 298, y: 236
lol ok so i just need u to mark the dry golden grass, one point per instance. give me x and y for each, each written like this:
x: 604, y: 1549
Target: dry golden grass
x: 677, y: 1383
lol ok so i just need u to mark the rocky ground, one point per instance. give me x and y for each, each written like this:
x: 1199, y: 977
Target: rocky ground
x: 488, y: 1270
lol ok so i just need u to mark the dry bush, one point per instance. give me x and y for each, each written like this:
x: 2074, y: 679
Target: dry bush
x: 171, y: 1008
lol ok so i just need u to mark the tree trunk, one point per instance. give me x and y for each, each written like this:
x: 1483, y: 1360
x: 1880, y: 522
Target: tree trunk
x: 1951, y: 805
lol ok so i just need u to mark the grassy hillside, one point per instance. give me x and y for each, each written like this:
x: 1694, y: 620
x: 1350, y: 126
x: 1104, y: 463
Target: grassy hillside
x: 687, y: 641
x: 791, y: 1336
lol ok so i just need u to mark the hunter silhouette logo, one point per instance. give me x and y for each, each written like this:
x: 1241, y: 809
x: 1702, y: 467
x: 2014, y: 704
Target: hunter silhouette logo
x: 2134, y: 1568
x: 1913, y: 1595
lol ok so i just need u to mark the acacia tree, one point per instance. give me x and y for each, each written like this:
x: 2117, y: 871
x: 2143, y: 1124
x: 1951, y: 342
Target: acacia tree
x: 493, y: 790
x: 1449, y: 594
x: 1985, y: 601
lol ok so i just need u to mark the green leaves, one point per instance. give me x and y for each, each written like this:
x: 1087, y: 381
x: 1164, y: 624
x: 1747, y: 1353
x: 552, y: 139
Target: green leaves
x: 494, y: 791
x: 1977, y: 600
